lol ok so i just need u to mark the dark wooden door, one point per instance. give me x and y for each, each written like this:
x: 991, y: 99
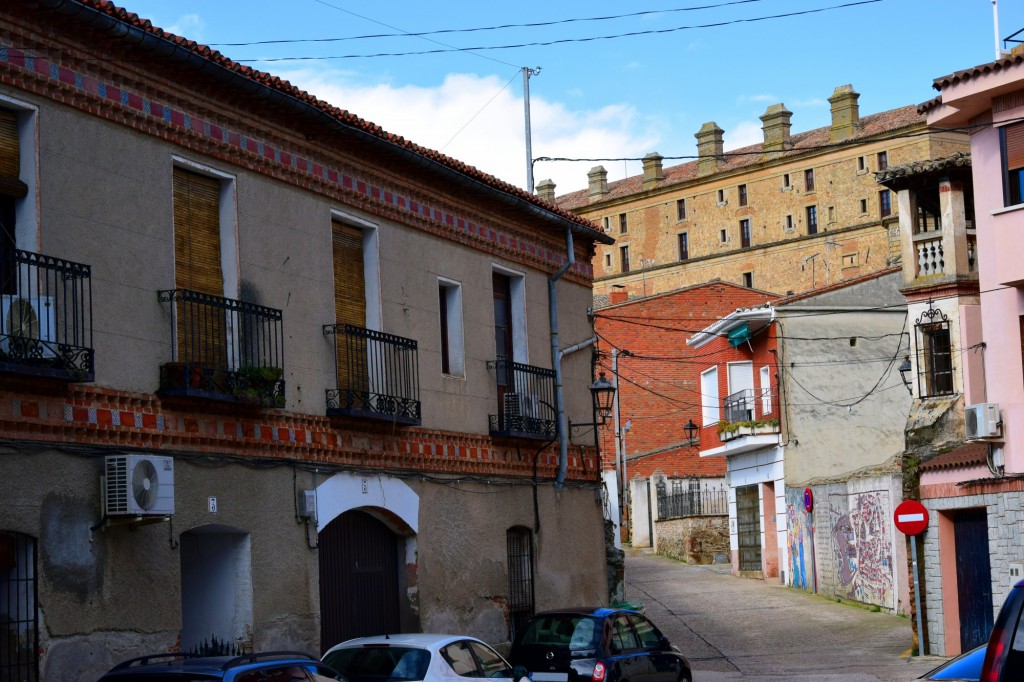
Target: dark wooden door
x: 358, y: 579
x: 973, y: 577
x: 748, y: 527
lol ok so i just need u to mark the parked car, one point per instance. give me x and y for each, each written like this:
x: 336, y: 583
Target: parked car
x: 271, y: 666
x: 419, y: 656
x: 597, y: 645
x: 1004, y: 660
x: 964, y: 668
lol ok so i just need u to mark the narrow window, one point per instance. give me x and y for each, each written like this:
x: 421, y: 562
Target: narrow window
x: 786, y: 183
x: 680, y: 209
x: 935, y: 357
x: 684, y: 246
x: 724, y: 235
x: 607, y: 224
x: 710, y: 411
x: 1012, y: 138
x: 520, y: 578
x: 884, y: 203
x: 863, y: 206
x: 831, y: 214
x: 745, y: 233
x: 812, y: 220
x: 862, y: 163
x: 789, y: 223
x: 721, y: 197
x: 19, y: 620
x: 748, y: 280
x: 809, y: 180
x: 742, y: 191
x: 622, y: 223
x: 624, y: 258
x: 449, y: 294
x: 607, y: 260
x: 883, y: 160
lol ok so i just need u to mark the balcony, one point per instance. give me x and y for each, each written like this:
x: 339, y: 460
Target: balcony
x: 378, y: 376
x: 526, y: 402
x: 223, y: 350
x: 45, y: 317
x: 748, y: 412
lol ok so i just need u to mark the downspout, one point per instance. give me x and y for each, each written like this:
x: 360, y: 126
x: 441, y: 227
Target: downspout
x: 556, y: 362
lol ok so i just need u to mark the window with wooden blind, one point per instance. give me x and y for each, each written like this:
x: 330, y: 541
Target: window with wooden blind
x: 202, y: 330
x: 349, y: 304
x: 10, y: 189
x: 1012, y: 138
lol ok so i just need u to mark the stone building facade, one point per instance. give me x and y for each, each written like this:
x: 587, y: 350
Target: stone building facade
x: 268, y: 373
x: 794, y: 213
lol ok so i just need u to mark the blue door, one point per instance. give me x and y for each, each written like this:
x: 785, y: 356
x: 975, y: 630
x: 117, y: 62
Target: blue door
x: 973, y: 577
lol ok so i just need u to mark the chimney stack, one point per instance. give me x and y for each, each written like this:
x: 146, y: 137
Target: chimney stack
x: 546, y: 190
x: 598, y: 178
x: 845, y: 113
x: 776, y: 125
x: 653, y: 169
x: 709, y: 148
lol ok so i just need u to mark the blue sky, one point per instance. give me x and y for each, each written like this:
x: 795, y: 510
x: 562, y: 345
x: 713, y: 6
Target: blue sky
x: 605, y: 98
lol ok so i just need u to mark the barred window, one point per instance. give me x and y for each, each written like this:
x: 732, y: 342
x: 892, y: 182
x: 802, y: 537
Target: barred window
x: 934, y: 354
x: 520, y: 578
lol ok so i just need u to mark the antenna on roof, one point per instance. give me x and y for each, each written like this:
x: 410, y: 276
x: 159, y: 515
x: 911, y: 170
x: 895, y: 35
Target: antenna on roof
x: 995, y: 26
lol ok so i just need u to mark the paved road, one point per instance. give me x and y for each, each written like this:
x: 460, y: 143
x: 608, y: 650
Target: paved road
x: 740, y: 629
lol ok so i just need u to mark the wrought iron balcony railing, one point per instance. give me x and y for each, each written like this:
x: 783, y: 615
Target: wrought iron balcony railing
x: 750, y: 411
x: 378, y: 375
x: 526, y: 402
x: 45, y: 316
x: 223, y: 350
x: 688, y: 498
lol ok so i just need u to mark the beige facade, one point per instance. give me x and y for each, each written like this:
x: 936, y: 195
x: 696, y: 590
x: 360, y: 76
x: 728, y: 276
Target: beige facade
x: 792, y: 214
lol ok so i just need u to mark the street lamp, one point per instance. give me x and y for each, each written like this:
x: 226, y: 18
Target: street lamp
x: 603, y: 393
x: 691, y: 429
x: 905, y: 368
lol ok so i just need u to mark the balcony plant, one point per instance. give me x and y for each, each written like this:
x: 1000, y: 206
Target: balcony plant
x: 728, y: 430
x: 259, y: 386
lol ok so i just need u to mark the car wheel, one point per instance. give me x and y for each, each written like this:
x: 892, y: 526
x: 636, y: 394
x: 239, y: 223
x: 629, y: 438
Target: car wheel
x: 684, y: 676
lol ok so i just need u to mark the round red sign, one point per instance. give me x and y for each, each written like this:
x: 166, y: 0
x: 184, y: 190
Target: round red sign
x: 911, y: 517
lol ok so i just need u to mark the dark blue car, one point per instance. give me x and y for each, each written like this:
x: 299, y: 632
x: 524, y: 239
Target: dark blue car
x: 597, y: 645
x: 272, y: 666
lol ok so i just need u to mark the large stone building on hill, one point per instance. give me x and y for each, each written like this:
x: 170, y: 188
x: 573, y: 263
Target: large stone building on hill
x: 792, y: 214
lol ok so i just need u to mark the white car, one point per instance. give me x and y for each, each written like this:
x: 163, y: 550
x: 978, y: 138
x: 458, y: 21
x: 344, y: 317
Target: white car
x: 417, y: 656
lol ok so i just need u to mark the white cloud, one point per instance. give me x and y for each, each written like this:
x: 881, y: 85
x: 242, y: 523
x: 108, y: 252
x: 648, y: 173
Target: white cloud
x: 743, y: 99
x: 190, y: 26
x: 743, y: 134
x: 473, y: 119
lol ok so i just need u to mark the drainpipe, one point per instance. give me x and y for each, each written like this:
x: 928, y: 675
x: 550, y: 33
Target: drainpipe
x: 556, y: 362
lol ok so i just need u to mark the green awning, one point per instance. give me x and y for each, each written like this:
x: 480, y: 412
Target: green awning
x: 738, y: 335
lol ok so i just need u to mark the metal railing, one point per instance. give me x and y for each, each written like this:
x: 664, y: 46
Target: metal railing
x: 45, y: 316
x: 687, y: 498
x: 378, y: 375
x: 748, y: 405
x: 223, y: 349
x: 526, y: 401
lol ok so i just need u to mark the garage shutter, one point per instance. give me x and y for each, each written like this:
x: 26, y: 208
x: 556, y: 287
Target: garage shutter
x: 202, y: 333
x: 349, y: 304
x: 10, y: 156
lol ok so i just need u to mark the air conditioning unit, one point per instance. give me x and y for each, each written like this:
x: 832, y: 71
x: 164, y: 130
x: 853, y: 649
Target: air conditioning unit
x: 139, y: 485
x: 982, y: 421
x: 27, y: 320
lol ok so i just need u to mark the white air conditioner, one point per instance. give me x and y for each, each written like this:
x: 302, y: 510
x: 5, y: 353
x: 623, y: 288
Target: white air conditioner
x: 25, y: 320
x: 982, y: 421
x: 139, y: 485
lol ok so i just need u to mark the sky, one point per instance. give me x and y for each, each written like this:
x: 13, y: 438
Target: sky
x: 600, y: 96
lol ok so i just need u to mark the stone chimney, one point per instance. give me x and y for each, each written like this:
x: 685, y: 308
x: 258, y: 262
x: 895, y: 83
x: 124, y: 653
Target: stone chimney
x: 845, y: 113
x: 618, y: 296
x: 598, y: 178
x: 546, y: 190
x: 776, y: 128
x: 709, y: 148
x: 653, y: 169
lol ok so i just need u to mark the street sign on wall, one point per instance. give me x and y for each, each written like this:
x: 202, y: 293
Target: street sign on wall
x: 911, y: 517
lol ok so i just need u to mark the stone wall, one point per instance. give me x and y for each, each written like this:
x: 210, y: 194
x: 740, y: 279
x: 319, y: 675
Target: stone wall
x: 694, y: 539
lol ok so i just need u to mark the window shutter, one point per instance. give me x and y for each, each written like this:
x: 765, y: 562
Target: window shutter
x: 1014, y: 141
x: 10, y: 157
x: 349, y: 305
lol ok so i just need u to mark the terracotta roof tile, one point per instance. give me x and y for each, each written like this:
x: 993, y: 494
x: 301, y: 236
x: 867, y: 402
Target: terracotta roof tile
x: 871, y: 126
x: 345, y: 117
x: 968, y: 455
x: 967, y: 74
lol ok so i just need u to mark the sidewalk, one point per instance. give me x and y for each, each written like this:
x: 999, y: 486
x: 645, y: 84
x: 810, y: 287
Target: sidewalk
x: 741, y: 629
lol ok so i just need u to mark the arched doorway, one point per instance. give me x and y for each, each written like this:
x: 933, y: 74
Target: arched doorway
x: 216, y: 590
x: 359, y: 578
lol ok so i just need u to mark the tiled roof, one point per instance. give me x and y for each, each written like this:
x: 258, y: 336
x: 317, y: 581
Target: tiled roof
x: 1016, y: 57
x: 897, y: 176
x: 969, y: 455
x: 871, y: 126
x: 344, y: 117
x: 838, y: 285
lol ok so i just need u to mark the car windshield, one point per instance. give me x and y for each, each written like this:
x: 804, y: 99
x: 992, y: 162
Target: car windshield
x: 563, y: 630
x: 374, y: 664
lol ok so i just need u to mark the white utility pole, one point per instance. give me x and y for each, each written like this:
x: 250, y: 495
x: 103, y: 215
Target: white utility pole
x: 995, y: 26
x: 527, y: 72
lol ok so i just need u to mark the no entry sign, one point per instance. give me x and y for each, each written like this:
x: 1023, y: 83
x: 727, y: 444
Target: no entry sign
x: 911, y: 517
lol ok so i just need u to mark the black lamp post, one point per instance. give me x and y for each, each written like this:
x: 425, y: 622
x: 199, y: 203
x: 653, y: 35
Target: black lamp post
x: 603, y: 393
x: 691, y: 429
x: 905, y: 368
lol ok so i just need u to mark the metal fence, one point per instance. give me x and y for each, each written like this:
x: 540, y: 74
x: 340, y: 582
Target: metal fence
x: 748, y: 404
x: 687, y: 498
x: 45, y: 316
x: 526, y: 401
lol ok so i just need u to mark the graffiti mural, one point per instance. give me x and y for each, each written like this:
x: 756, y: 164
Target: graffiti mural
x: 861, y: 544
x: 800, y: 531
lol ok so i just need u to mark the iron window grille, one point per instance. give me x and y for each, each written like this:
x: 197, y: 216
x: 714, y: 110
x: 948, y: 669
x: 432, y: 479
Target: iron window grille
x: 19, y: 620
x: 224, y: 350
x: 934, y: 354
x: 520, y: 578
x: 380, y: 376
x: 45, y: 316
